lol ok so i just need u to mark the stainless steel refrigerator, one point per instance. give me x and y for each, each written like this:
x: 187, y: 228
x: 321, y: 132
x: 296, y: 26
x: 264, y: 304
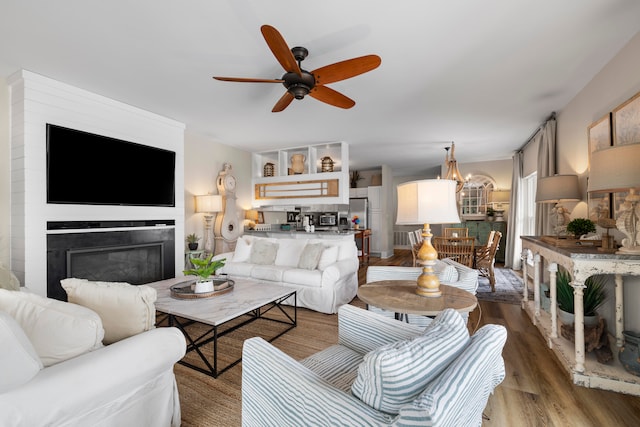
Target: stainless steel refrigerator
x: 359, y: 206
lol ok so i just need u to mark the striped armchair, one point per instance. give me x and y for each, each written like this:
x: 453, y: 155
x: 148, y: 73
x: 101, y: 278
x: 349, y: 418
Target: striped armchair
x: 355, y: 381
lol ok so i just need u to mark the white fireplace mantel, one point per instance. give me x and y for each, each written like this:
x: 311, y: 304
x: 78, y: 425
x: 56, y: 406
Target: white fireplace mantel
x: 37, y: 100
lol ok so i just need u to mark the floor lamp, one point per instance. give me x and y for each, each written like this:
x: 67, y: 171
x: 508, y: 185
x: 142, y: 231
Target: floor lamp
x: 209, y: 205
x: 429, y: 201
x: 615, y: 170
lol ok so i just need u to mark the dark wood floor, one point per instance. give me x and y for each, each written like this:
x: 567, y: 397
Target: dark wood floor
x: 536, y: 391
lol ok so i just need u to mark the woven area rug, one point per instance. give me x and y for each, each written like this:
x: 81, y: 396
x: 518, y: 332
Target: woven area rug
x: 509, y: 287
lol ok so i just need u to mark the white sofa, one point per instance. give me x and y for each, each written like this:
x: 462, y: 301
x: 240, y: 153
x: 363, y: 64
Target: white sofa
x: 55, y: 370
x: 323, y: 271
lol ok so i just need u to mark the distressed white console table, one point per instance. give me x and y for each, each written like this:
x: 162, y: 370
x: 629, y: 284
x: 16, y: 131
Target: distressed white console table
x: 581, y: 263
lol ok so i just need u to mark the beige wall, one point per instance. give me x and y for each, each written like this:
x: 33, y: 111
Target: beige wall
x: 203, y: 160
x: 5, y: 173
x: 618, y: 81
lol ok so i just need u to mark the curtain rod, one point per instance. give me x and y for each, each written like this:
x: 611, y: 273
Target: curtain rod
x: 552, y: 116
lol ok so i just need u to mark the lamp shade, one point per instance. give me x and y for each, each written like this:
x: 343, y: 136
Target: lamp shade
x: 499, y: 196
x: 615, y: 169
x: 209, y: 203
x: 251, y: 215
x: 552, y: 189
x: 429, y: 201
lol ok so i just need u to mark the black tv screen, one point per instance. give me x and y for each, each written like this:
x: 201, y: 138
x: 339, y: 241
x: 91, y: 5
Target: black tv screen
x: 85, y: 168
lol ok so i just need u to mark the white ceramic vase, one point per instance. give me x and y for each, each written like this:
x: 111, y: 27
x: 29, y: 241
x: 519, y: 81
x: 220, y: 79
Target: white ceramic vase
x: 202, y: 287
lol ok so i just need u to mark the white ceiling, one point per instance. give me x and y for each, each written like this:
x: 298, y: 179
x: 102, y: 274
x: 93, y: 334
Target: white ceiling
x: 484, y: 74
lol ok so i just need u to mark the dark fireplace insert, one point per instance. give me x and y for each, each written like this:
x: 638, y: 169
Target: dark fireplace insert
x: 135, y: 256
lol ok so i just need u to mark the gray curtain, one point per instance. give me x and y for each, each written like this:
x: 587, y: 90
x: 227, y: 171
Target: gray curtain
x: 546, y: 167
x: 514, y: 231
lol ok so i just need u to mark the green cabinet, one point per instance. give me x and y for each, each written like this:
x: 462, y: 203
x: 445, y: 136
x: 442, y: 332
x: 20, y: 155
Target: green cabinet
x: 481, y: 229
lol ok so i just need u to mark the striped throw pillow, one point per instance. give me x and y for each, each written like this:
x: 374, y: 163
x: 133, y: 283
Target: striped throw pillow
x: 395, y: 374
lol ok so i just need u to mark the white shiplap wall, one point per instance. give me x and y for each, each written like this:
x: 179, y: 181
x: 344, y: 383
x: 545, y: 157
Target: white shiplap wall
x: 38, y: 100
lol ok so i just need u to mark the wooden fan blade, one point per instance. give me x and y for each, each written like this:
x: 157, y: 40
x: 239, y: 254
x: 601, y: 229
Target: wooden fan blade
x: 282, y: 102
x: 280, y: 49
x: 346, y: 69
x: 247, y: 80
x: 332, y: 97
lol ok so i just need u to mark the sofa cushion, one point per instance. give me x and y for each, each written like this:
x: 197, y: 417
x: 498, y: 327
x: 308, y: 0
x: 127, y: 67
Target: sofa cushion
x: 242, y: 252
x: 310, y: 256
x: 461, y: 391
x: 289, y: 252
x: 237, y: 269
x: 446, y: 273
x: 19, y: 361
x: 125, y: 309
x: 263, y: 252
x: 8, y: 280
x: 272, y: 273
x: 57, y: 330
x: 303, y: 277
x: 395, y: 374
x: 328, y: 257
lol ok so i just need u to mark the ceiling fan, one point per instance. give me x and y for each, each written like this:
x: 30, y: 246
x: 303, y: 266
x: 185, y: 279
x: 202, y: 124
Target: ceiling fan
x: 301, y: 82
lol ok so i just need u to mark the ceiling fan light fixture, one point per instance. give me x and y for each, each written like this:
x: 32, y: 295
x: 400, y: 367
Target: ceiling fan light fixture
x: 298, y: 90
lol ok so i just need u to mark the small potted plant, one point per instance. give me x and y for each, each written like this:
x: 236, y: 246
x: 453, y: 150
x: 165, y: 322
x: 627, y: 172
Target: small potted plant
x: 204, y: 269
x: 356, y: 222
x: 580, y: 226
x: 354, y: 177
x: 593, y: 296
x: 192, y: 241
x: 490, y: 213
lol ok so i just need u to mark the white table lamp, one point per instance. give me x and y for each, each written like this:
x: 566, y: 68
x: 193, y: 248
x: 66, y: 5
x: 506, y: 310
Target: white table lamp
x: 557, y: 188
x: 497, y: 198
x: 209, y: 205
x: 429, y: 201
x: 614, y: 170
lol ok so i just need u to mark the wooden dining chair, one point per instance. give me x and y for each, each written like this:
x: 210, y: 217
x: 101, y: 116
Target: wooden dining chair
x: 456, y: 232
x: 414, y: 246
x: 486, y: 258
x: 460, y: 249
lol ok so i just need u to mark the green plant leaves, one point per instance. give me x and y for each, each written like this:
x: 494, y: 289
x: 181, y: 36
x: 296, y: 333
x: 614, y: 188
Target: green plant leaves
x: 204, y: 268
x: 593, y: 296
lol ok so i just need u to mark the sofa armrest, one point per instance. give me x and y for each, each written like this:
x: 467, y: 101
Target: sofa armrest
x: 71, y: 390
x: 363, y: 330
x: 339, y: 269
x: 226, y: 255
x: 277, y: 391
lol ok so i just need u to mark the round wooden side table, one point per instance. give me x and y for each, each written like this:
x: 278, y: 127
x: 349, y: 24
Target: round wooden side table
x: 399, y: 296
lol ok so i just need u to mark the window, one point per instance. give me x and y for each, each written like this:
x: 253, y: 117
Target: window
x: 529, y: 205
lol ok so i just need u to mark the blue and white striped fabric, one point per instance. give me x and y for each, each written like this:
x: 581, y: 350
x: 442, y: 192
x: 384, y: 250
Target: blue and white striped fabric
x: 460, y: 394
x: 337, y: 364
x: 395, y: 374
x: 278, y: 391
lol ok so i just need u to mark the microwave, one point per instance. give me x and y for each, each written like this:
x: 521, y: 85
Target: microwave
x: 328, y: 219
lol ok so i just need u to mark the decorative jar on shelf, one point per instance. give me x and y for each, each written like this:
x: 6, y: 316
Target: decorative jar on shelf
x: 297, y: 163
x: 327, y: 164
x: 269, y: 169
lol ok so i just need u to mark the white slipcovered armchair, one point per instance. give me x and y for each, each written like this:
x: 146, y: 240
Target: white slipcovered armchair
x: 446, y: 376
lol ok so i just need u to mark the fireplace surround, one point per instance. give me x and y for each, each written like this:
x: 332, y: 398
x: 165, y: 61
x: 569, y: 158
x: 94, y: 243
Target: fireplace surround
x: 136, y: 252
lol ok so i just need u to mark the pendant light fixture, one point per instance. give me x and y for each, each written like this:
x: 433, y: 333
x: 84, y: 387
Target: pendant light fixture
x: 453, y: 173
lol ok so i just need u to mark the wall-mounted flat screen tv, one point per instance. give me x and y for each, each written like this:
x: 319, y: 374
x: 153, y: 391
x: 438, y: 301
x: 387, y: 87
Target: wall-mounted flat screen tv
x: 89, y: 169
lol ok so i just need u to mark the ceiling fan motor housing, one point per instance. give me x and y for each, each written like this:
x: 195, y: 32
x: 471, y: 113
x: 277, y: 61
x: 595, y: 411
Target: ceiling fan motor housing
x: 299, y: 86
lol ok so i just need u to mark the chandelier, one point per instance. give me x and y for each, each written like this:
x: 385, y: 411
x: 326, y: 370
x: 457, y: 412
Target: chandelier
x: 453, y: 173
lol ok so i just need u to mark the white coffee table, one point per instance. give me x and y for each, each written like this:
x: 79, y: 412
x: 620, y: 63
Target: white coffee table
x: 249, y: 298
